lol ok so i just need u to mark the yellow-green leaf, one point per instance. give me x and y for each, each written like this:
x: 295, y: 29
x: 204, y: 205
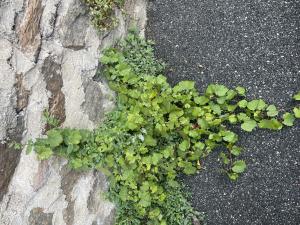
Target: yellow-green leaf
x: 248, y: 125
x: 239, y: 166
x: 288, y: 119
x: 297, y: 112
x: 297, y: 96
x: 272, y: 111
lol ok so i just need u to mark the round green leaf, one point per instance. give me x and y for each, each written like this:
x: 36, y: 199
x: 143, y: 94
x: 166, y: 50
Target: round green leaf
x: 189, y: 169
x: 201, y: 100
x: 232, y: 119
x: 297, y: 96
x: 288, y: 119
x: 243, y: 103
x: 184, y: 145
x: 230, y: 94
x: 297, y: 112
x: 233, y: 176
x: 43, y: 152
x: 252, y: 105
x: 54, y: 138
x: 229, y: 137
x: 240, y: 90
x: 243, y: 117
x: 261, y: 104
x: 272, y: 111
x: 184, y: 86
x: 216, y: 109
x: 239, y: 166
x: 236, y: 151
x: 150, y: 141
x: 220, y: 90
x: 73, y: 137
x: 248, y: 125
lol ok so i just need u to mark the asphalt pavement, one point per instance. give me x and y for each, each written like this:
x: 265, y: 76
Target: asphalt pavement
x: 251, y: 43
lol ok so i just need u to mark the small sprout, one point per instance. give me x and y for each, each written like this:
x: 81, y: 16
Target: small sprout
x: 50, y: 120
x: 15, y: 145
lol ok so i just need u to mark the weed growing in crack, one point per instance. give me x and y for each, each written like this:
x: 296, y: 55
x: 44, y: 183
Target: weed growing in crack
x: 102, y: 13
x: 50, y: 120
x: 157, y: 132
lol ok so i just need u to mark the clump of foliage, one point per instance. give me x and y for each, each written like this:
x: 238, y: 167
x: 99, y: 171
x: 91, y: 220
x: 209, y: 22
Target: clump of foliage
x: 157, y: 132
x: 178, y: 210
x: 50, y: 120
x: 139, y: 54
x: 102, y: 13
x: 15, y: 145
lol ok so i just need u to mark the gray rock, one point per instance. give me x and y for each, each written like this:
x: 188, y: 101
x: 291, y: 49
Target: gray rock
x: 29, y: 30
x: 38, y: 217
x: 74, y: 26
x: 49, y: 54
x: 93, y: 105
x: 51, y: 71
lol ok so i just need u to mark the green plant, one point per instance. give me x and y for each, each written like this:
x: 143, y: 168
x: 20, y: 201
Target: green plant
x: 139, y: 54
x: 15, y: 145
x: 102, y: 13
x: 177, y: 209
x: 50, y: 120
x: 156, y: 132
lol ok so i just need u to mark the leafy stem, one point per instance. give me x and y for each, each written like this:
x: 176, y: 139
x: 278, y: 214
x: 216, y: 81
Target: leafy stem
x: 157, y: 132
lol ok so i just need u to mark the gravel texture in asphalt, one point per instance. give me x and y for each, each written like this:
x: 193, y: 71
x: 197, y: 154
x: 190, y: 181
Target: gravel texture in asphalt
x: 255, y: 44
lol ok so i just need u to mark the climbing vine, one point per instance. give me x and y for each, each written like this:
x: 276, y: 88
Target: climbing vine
x: 157, y: 132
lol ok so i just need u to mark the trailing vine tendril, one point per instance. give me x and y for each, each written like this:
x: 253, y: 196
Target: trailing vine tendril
x: 157, y: 132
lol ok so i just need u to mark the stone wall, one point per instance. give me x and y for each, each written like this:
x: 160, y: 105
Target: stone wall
x: 49, y: 55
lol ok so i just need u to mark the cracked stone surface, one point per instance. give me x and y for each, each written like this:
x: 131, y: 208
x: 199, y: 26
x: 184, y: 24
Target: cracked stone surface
x: 38, y: 217
x: 49, y: 56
